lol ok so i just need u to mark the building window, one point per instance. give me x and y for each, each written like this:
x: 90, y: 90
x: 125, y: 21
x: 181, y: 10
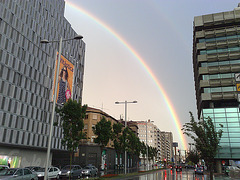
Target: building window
x: 95, y: 116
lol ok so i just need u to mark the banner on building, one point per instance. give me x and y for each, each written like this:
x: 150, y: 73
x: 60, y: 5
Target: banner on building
x: 65, y: 80
x: 10, y: 161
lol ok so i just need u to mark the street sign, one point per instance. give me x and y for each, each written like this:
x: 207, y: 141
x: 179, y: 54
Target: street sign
x: 175, y: 144
x: 238, y: 86
x: 237, y: 77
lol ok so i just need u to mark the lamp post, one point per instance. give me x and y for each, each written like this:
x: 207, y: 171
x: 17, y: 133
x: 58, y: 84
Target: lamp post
x: 125, y: 102
x: 44, y: 41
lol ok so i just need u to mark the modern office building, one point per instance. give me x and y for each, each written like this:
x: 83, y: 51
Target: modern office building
x: 27, y: 75
x: 216, y: 65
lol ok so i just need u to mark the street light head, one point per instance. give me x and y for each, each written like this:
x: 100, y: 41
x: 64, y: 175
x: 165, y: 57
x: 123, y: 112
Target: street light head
x: 44, y: 41
x: 78, y: 37
x: 134, y: 101
x: 117, y: 102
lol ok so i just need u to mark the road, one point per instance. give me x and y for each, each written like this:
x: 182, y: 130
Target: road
x: 173, y: 175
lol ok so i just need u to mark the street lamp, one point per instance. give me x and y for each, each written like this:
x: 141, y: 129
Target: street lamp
x: 125, y: 102
x: 45, y: 41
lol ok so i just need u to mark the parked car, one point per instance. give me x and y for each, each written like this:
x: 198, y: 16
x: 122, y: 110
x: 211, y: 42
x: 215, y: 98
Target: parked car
x: 75, y: 172
x: 53, y: 172
x: 228, y: 169
x: 89, y: 170
x: 34, y: 168
x: 3, y: 167
x: 178, y: 168
x: 17, y: 174
x: 199, y: 170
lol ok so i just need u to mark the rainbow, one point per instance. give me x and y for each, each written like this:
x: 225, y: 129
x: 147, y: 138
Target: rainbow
x: 143, y: 63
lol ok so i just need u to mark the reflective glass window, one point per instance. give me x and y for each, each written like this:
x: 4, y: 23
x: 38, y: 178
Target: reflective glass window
x: 233, y: 119
x: 225, y: 135
x: 235, y: 62
x: 207, y: 110
x: 218, y: 89
x: 232, y: 115
x: 233, y: 125
x: 215, y: 76
x: 206, y: 90
x: 234, y: 135
x: 224, y: 140
x: 233, y: 130
x: 231, y: 109
x: 223, y: 63
x: 205, y: 77
x: 220, y: 120
x: 219, y: 115
x: 237, y: 144
x: 219, y: 110
x: 218, y: 125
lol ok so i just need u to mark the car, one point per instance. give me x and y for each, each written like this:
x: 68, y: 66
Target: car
x: 178, y: 168
x: 3, y: 167
x: 34, y: 168
x: 17, y: 173
x: 53, y: 172
x: 199, y: 170
x: 75, y: 172
x: 89, y: 170
x: 229, y: 169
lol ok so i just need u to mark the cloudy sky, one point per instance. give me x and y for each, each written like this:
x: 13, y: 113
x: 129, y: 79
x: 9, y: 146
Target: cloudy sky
x: 160, y: 32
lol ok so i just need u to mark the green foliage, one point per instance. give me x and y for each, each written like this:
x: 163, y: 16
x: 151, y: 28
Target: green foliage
x: 72, y: 115
x: 132, y: 143
x: 193, y: 157
x: 152, y: 152
x: 206, y: 138
x: 103, y: 130
x: 143, y: 148
x: 118, y: 140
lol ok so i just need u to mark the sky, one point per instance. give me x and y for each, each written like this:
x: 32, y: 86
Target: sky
x: 141, y: 50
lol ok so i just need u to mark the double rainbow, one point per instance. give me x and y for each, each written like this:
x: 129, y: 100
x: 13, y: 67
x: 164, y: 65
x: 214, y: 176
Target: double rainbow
x: 142, y: 62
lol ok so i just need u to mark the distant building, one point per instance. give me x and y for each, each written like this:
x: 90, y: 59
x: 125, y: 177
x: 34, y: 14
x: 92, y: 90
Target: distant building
x: 162, y: 141
x: 27, y: 75
x: 216, y: 65
x: 90, y: 153
x: 167, y: 147
x: 93, y: 116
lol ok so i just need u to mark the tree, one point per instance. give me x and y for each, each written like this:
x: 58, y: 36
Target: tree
x: 103, y: 130
x: 206, y: 138
x: 133, y: 143
x: 143, y: 151
x: 152, y: 153
x: 118, y: 140
x: 193, y: 156
x: 72, y: 115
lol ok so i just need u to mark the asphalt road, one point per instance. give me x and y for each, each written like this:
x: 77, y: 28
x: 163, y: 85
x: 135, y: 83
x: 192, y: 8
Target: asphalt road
x: 168, y: 174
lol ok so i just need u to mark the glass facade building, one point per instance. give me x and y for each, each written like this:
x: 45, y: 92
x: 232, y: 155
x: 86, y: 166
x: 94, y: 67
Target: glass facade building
x: 27, y: 74
x: 216, y: 60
